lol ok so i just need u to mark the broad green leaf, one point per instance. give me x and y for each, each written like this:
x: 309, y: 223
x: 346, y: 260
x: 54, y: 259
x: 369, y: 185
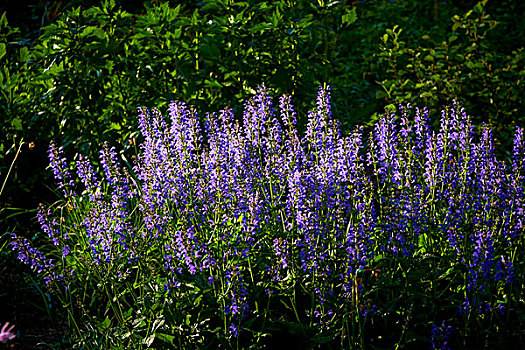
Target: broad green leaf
x: 17, y: 123
x: 349, y: 17
x: 24, y: 54
x: 165, y: 337
x: 212, y: 84
x: 478, y: 8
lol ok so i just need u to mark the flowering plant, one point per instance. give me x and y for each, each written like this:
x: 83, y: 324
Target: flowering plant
x: 242, y: 232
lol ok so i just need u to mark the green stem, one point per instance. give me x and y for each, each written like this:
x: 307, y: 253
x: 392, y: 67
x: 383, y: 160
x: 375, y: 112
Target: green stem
x: 11, y: 166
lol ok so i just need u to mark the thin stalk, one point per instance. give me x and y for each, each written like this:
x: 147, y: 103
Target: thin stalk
x: 11, y: 166
x: 253, y: 282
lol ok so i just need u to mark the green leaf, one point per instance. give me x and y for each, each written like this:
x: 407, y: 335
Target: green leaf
x: 212, y: 84
x: 478, y: 8
x: 349, y: 17
x: 93, y: 31
x: 381, y: 94
x: 3, y: 20
x: 2, y: 50
x: 391, y: 107
x: 24, y: 54
x: 105, y: 324
x: 17, y: 124
x: 165, y: 337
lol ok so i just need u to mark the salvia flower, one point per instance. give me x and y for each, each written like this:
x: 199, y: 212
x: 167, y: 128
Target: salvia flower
x: 440, y: 336
x: 216, y: 205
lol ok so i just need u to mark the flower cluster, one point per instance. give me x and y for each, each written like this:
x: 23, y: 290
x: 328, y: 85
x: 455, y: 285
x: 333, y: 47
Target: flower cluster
x: 241, y: 205
x: 440, y: 336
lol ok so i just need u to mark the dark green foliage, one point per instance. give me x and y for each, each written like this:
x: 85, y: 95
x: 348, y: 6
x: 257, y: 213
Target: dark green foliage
x: 464, y: 67
x: 80, y: 82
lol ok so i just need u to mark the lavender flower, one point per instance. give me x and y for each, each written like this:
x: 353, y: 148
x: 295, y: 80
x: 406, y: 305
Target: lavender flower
x: 221, y: 206
x: 87, y: 175
x: 60, y: 169
x: 440, y: 335
x: 38, y: 262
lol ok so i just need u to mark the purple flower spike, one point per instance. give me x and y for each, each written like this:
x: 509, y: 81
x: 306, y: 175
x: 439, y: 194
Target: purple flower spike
x: 439, y: 337
x: 60, y: 169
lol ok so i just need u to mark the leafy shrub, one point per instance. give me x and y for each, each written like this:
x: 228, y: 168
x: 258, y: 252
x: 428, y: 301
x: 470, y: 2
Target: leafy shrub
x: 80, y: 82
x: 230, y: 234
x: 84, y: 77
x: 464, y: 67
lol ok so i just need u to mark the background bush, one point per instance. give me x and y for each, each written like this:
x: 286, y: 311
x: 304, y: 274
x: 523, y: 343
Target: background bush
x: 461, y: 64
x: 81, y: 80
